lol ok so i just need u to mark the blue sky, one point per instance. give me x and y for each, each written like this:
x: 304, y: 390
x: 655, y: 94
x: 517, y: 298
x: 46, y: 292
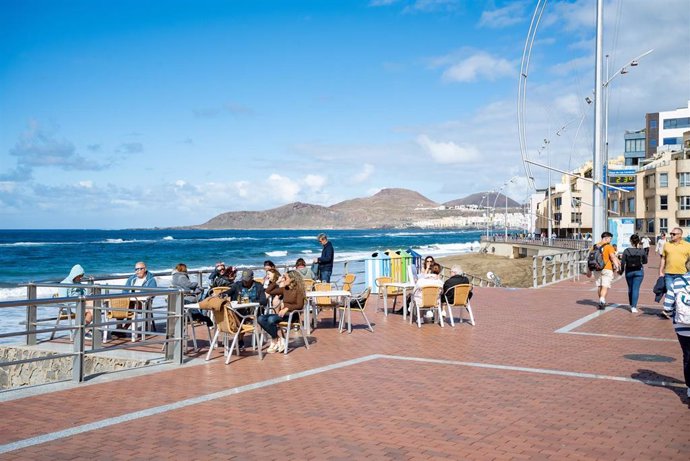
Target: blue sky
x: 141, y: 113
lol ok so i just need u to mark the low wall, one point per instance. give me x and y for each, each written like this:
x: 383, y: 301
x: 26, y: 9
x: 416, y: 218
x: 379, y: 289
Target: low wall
x: 50, y: 371
x: 519, y: 250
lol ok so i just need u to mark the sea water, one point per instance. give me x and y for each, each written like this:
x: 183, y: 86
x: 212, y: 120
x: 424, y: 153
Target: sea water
x: 48, y: 255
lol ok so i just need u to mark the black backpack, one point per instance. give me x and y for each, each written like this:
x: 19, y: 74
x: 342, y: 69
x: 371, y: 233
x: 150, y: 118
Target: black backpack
x: 595, y: 258
x: 633, y: 262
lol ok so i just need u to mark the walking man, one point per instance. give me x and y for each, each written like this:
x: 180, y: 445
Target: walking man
x: 674, y: 257
x: 611, y: 263
x: 645, y: 245
x: 660, y: 242
x: 325, y: 262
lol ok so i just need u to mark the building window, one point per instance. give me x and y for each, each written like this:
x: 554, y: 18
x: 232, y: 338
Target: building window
x: 650, y: 226
x: 557, y: 202
x: 683, y: 179
x: 653, y: 143
x: 683, y: 122
x: 663, y: 179
x: 631, y: 204
x: 649, y: 182
x: 576, y: 217
x: 663, y: 202
x: 652, y: 124
x: 684, y: 202
x: 663, y: 225
x: 684, y: 223
x: 614, y: 206
x: 672, y: 141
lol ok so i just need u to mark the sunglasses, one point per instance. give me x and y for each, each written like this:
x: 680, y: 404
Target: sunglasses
x: 139, y: 268
x: 674, y: 233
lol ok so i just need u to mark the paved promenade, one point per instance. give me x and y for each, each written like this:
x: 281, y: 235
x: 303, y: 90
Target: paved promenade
x: 543, y: 375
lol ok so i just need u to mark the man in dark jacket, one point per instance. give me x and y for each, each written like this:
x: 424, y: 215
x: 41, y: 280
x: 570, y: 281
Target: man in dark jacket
x: 457, y: 277
x: 325, y: 262
x: 247, y: 287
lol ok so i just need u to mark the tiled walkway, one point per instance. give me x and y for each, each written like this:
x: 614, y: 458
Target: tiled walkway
x: 538, y: 377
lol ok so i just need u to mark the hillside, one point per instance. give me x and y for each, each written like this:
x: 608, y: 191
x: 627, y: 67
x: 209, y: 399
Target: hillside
x: 388, y: 208
x: 480, y: 199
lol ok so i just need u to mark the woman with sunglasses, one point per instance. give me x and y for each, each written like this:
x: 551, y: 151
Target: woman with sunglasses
x: 427, y: 266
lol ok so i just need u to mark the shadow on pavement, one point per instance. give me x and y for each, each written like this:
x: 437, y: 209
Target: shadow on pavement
x: 654, y: 379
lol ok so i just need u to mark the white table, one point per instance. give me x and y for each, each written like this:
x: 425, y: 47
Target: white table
x: 404, y: 286
x: 346, y: 295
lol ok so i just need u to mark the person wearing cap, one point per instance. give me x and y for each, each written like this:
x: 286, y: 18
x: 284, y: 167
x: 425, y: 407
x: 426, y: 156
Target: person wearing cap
x: 325, y: 262
x: 247, y: 287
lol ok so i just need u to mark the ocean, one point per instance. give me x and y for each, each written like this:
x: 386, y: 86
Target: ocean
x: 48, y: 255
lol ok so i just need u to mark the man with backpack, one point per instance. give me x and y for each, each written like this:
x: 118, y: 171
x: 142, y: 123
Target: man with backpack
x: 674, y: 257
x: 602, y: 261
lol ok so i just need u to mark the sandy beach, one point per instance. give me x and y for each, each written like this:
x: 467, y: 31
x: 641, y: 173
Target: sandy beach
x: 513, y: 272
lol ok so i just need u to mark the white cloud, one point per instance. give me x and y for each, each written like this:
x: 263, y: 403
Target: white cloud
x: 88, y: 184
x: 481, y: 65
x: 315, y: 182
x: 364, y: 173
x: 509, y: 15
x: 447, y: 152
x: 283, y: 188
x: 180, y: 183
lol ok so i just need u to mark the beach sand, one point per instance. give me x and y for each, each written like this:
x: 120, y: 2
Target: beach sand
x: 515, y: 273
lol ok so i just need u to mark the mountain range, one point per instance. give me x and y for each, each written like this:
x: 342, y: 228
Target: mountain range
x: 389, y: 208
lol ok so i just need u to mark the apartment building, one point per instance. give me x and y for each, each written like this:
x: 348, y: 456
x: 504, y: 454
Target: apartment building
x: 664, y: 130
x: 664, y: 198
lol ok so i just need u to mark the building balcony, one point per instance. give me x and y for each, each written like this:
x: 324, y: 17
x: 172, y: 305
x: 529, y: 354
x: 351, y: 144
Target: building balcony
x: 682, y: 191
x: 683, y: 214
x: 649, y: 192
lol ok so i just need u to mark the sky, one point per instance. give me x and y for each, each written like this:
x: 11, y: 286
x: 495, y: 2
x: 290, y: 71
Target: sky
x: 136, y: 113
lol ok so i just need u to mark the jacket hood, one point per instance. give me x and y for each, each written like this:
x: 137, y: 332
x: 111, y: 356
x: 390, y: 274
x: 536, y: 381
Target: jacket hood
x: 76, y: 270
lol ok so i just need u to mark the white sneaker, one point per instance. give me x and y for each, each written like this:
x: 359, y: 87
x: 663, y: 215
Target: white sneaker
x: 272, y: 348
x: 633, y: 309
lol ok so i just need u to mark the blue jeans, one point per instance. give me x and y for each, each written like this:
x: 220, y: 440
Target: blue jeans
x: 634, y: 279
x: 668, y: 280
x: 325, y: 275
x: 269, y: 322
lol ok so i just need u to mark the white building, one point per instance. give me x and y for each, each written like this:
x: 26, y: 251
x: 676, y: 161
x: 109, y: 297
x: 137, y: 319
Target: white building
x: 665, y: 130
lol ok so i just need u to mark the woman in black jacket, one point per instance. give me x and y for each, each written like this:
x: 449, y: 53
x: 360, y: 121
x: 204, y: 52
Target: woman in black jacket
x: 632, y: 263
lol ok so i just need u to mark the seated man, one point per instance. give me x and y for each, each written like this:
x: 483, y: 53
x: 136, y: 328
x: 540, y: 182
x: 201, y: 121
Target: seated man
x: 247, y: 287
x: 141, y: 278
x: 457, y: 277
x: 222, y: 275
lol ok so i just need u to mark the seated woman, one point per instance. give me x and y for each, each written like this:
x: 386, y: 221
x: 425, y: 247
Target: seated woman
x: 75, y: 277
x: 269, y: 266
x: 433, y: 279
x: 290, y: 288
x: 180, y: 279
x: 304, y: 271
x: 429, y: 262
x: 222, y: 275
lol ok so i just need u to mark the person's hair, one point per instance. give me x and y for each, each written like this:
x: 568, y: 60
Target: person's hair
x: 427, y: 259
x: 678, y: 230
x: 182, y: 267
x: 269, y: 263
x: 300, y: 262
x: 296, y: 282
x: 436, y: 268
x: 322, y: 236
x: 635, y: 240
x: 606, y: 234
x: 456, y: 268
x: 273, y: 274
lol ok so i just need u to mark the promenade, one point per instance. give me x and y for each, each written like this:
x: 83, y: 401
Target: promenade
x: 543, y: 375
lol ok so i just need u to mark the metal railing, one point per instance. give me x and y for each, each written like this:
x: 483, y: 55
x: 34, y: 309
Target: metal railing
x: 171, y: 339
x: 547, y: 269
x: 573, y: 244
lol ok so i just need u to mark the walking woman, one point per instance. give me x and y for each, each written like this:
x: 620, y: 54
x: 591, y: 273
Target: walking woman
x: 290, y: 288
x: 632, y: 263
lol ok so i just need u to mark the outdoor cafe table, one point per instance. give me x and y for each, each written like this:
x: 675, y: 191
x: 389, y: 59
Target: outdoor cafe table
x: 346, y: 295
x: 405, y: 286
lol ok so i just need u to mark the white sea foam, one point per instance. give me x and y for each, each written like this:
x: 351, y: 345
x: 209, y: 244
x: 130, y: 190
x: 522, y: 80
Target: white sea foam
x: 113, y: 241
x: 31, y: 244
x: 168, y: 237
x: 306, y: 252
x: 276, y: 254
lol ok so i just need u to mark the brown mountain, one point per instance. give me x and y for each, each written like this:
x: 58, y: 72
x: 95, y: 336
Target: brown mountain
x: 480, y: 199
x: 387, y: 208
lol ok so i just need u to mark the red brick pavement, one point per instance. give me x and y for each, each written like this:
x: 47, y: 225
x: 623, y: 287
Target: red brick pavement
x: 464, y: 406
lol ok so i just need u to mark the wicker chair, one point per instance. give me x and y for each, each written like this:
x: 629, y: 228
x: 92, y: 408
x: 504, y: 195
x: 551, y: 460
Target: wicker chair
x: 357, y: 303
x: 431, y: 301
x: 458, y: 296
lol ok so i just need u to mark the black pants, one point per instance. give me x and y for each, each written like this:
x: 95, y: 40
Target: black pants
x: 685, y: 345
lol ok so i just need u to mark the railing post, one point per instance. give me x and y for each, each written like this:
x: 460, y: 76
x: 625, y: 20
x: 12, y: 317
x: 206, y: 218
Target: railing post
x: 31, y: 317
x: 78, y: 360
x: 96, y: 320
x: 535, y: 274
x: 543, y: 270
x: 174, y: 346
